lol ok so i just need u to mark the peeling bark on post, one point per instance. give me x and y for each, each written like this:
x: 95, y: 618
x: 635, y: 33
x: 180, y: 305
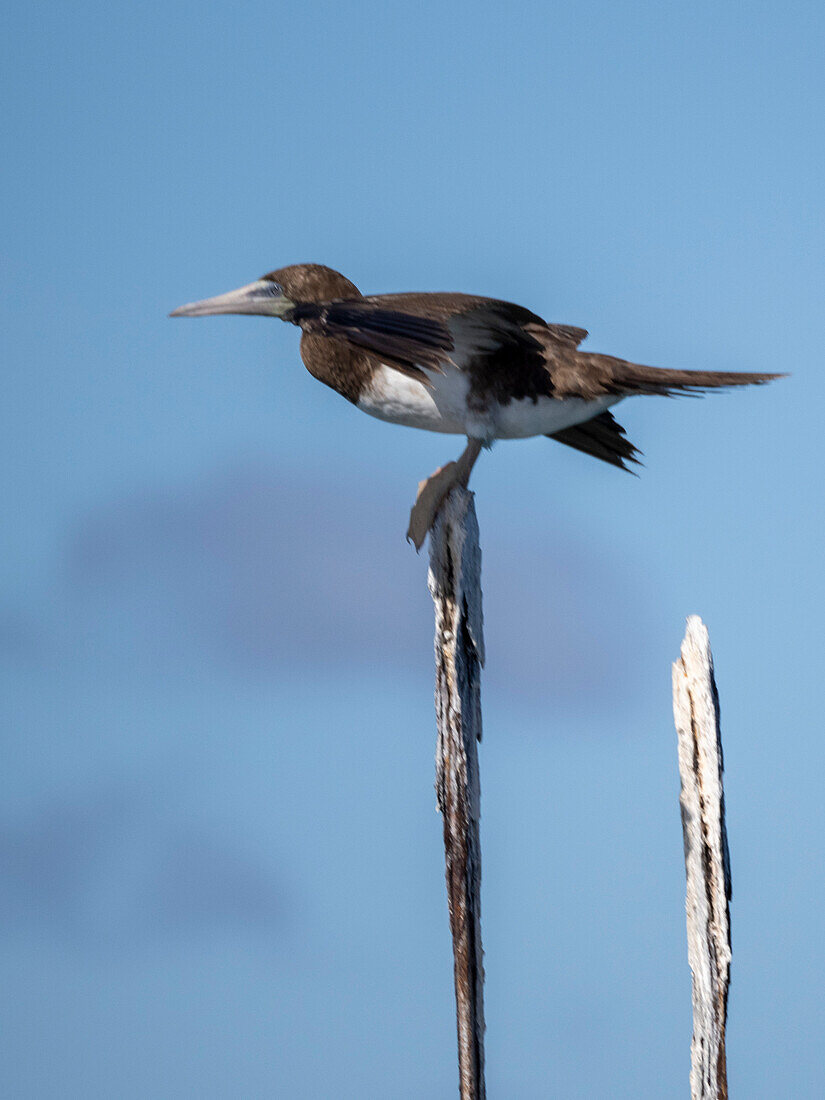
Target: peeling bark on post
x: 455, y: 585
x: 696, y: 711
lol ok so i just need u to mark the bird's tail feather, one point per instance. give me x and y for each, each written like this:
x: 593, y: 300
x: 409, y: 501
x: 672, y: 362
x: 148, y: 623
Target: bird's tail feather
x: 633, y: 378
x: 602, y: 437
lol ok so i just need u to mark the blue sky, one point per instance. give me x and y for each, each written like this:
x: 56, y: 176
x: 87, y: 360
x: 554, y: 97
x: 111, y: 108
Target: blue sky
x: 221, y: 865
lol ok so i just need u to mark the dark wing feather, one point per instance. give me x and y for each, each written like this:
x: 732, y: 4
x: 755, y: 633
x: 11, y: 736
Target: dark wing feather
x: 504, y: 356
x: 500, y: 345
x: 401, y: 340
x: 603, y: 437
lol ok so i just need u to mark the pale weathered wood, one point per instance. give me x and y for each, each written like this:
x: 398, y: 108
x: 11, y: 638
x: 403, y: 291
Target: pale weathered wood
x: 707, y: 862
x: 455, y: 584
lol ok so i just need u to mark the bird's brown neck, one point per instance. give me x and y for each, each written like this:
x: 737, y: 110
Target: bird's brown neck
x: 336, y: 364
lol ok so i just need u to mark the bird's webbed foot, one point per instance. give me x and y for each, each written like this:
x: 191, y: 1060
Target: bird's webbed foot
x: 434, y: 489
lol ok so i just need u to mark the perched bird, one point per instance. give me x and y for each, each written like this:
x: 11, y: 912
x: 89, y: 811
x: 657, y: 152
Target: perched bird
x: 461, y: 364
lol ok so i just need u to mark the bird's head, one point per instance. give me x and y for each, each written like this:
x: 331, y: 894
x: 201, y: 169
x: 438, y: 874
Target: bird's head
x: 276, y: 294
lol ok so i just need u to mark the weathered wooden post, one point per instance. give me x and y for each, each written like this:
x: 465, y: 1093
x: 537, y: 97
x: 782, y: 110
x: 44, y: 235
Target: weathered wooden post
x: 455, y: 584
x: 707, y: 862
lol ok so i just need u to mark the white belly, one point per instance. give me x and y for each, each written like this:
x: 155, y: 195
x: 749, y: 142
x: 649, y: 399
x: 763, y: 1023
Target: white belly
x: 442, y: 407
x: 521, y: 419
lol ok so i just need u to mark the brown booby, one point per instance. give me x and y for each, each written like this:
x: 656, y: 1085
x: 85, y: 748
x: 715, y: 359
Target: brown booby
x: 461, y: 364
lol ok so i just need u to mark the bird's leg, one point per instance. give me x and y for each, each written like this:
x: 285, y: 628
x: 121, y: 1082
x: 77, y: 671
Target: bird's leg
x: 433, y: 490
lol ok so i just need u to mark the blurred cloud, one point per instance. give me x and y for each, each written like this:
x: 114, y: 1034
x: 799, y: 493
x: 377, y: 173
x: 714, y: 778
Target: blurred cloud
x: 251, y: 570
x: 100, y: 868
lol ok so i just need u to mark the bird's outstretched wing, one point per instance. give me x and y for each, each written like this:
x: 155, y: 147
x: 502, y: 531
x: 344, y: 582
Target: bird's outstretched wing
x: 509, y: 352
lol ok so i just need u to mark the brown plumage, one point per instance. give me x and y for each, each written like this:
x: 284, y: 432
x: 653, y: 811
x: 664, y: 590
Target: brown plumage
x: 511, y: 339
x: 461, y: 363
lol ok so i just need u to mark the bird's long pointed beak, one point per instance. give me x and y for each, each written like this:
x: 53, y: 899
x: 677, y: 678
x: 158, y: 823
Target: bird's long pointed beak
x: 263, y: 297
